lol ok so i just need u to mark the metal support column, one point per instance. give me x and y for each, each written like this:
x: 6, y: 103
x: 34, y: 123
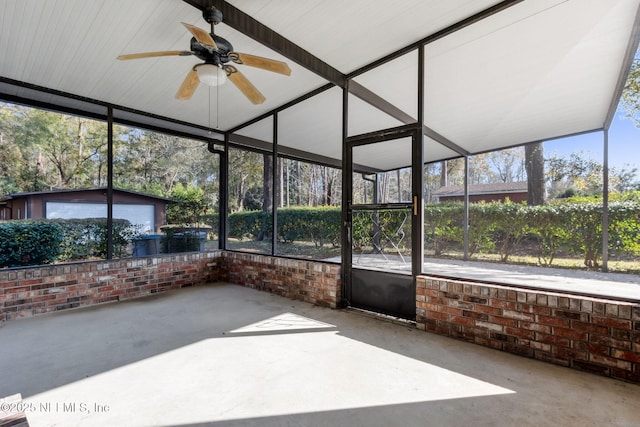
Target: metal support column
x: 417, y: 174
x: 275, y: 185
x: 347, y: 175
x: 109, y: 182
x: 417, y: 232
x: 211, y: 146
x: 466, y: 208
x: 224, y: 195
x: 605, y: 202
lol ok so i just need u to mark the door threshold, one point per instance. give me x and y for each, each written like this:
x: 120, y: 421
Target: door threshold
x: 380, y: 316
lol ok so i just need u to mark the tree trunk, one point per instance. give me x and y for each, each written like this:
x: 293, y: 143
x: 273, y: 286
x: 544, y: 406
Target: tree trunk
x: 443, y: 174
x: 240, y: 199
x: 324, y: 186
x: 281, y: 169
x: 534, y: 164
x: 267, y: 186
x: 299, y: 184
x: 288, y: 184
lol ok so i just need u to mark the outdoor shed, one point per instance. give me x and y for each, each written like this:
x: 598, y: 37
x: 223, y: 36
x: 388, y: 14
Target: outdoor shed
x: 142, y: 209
x: 514, y: 191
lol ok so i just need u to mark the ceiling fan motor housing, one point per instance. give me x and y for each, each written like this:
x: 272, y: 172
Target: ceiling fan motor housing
x: 208, y: 54
x: 212, y: 15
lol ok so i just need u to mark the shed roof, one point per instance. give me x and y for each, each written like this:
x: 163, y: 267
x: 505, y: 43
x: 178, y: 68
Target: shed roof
x: 81, y: 190
x: 495, y: 188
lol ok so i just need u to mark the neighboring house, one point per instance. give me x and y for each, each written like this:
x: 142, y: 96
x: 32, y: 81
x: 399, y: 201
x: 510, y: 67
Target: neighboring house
x: 514, y: 191
x: 140, y: 209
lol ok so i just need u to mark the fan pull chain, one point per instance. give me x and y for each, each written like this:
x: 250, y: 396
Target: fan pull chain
x: 209, y: 114
x: 217, y: 107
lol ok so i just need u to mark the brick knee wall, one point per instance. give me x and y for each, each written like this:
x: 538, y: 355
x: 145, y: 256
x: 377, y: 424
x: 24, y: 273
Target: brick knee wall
x: 26, y: 292
x: 591, y: 334
x: 314, y: 282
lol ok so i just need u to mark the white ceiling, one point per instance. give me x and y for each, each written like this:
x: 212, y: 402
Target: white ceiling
x: 536, y: 70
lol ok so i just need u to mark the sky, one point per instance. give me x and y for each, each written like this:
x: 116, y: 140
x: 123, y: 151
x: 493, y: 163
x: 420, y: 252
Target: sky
x: 624, y: 144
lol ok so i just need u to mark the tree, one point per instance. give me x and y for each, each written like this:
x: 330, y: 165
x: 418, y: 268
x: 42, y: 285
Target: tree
x: 508, y: 164
x: 246, y: 173
x: 631, y: 94
x: 10, y: 155
x: 267, y: 183
x: 480, y: 170
x: 189, y: 206
x: 534, y: 165
x: 53, y: 150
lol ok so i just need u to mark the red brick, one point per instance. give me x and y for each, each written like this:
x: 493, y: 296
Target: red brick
x: 521, y: 350
x: 610, y: 361
x: 503, y: 321
x: 590, y: 327
x: 531, y: 308
x: 462, y: 321
x: 518, y: 315
x: 610, y: 342
x: 488, y: 309
x: 30, y: 282
x: 553, y: 339
x: 625, y: 375
x: 535, y: 327
x: 475, y: 315
x: 614, y: 323
x: 553, y: 321
x: 626, y: 355
x: 437, y: 315
x: 540, y: 346
x: 569, y: 353
x: 592, y: 348
x: 489, y: 326
x: 571, y: 334
x: 621, y: 334
x: 474, y: 299
x: 509, y: 305
x: 518, y: 332
x: 450, y: 310
x: 17, y: 289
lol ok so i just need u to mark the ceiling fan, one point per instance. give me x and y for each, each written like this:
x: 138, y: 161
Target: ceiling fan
x: 216, y: 53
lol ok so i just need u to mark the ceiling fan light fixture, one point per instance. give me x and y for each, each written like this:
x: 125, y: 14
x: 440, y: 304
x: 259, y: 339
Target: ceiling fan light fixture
x: 211, y: 75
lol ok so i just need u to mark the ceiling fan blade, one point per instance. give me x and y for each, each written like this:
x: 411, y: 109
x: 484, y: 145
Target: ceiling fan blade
x: 189, y: 86
x: 245, y: 86
x: 155, y: 54
x: 260, y: 62
x: 201, y: 35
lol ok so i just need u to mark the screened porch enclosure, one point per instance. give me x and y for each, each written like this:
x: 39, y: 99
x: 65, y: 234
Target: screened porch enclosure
x: 463, y: 78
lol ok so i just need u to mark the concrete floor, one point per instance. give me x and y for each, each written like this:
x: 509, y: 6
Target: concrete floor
x: 227, y: 355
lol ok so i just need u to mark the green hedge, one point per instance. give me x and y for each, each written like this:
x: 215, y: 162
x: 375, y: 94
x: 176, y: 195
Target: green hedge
x: 87, y: 238
x: 29, y: 242
x: 35, y: 242
x: 319, y: 225
x: 573, y: 226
